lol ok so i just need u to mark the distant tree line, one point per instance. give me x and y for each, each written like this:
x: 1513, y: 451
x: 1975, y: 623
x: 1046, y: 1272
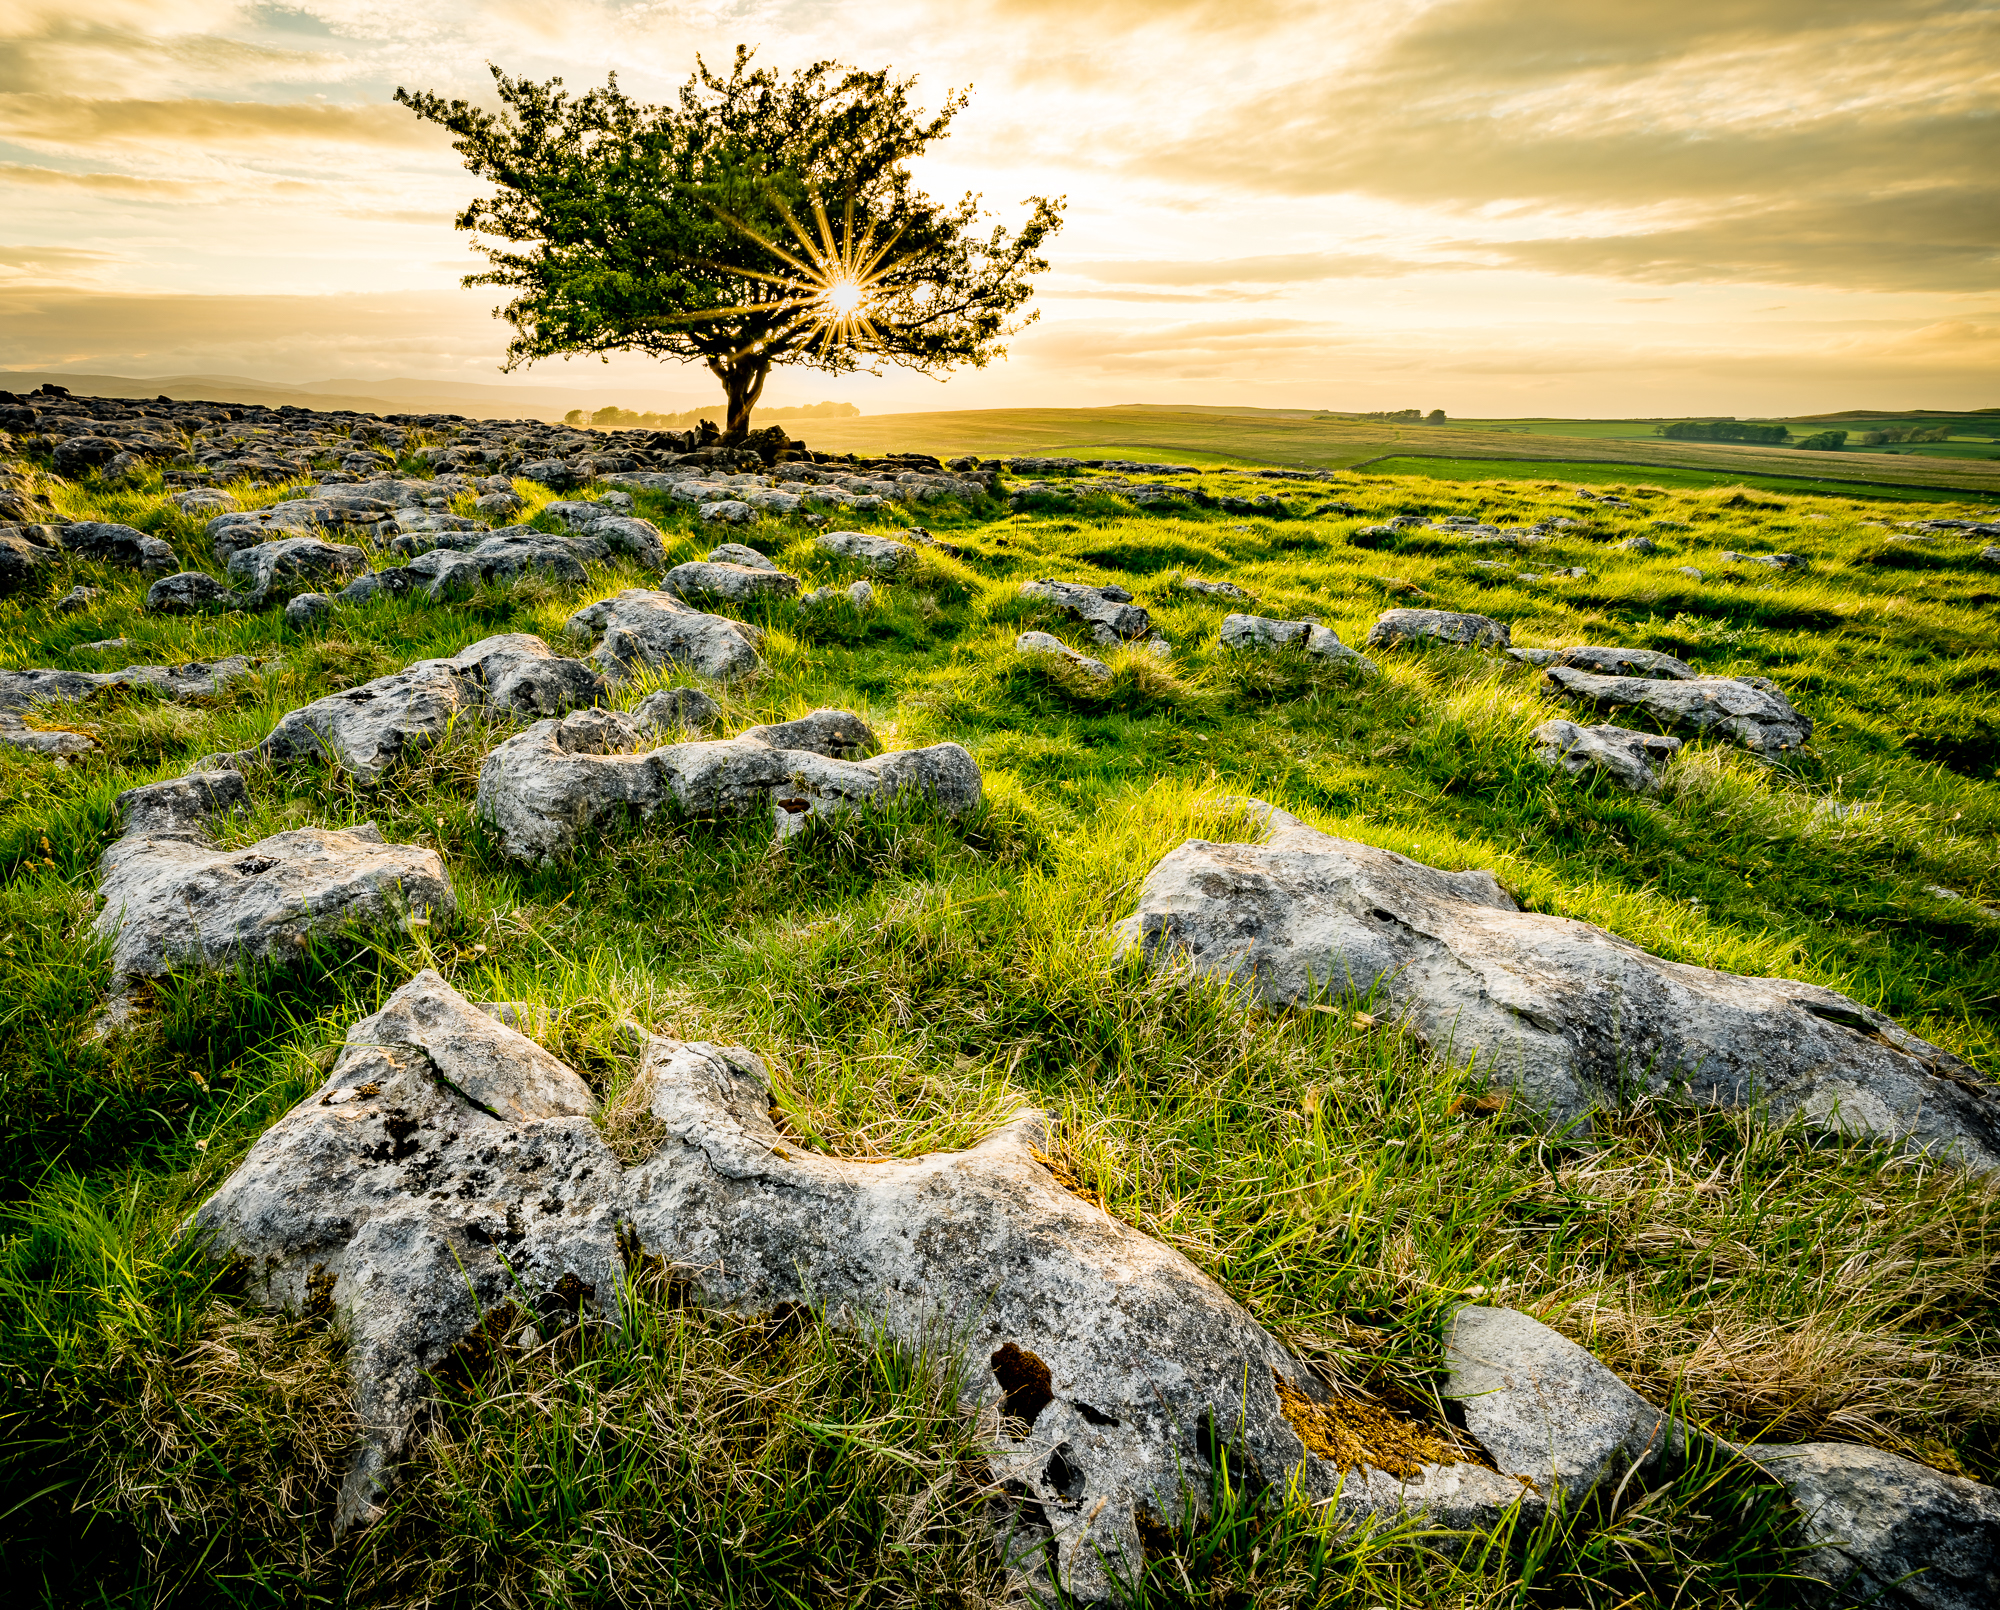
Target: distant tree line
x: 615, y: 418
x: 1403, y: 416
x: 1905, y: 433
x: 1721, y: 430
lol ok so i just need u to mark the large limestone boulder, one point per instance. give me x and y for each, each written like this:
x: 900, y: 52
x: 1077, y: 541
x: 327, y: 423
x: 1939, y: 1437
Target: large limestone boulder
x: 1308, y: 637
x: 367, y: 730
x: 1419, y: 628
x: 189, y: 592
x: 1568, y: 1015
x: 540, y: 791
x: 1108, y: 611
x: 1749, y: 711
x: 291, y: 564
x: 1628, y: 757
x: 25, y: 552
x: 172, y: 899
x: 448, y: 1167
x: 113, y: 544
x: 737, y: 584
x: 655, y: 631
x: 879, y: 554
x: 616, y: 526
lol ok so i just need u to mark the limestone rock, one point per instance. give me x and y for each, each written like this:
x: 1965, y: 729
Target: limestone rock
x: 735, y: 553
x: 172, y: 899
x: 1642, y: 662
x: 655, y: 631
x: 1045, y: 643
x: 1544, y: 1409
x: 306, y: 610
x: 200, y: 500
x: 677, y: 710
x: 1883, y: 1525
x: 20, y: 689
x: 1108, y: 611
x: 278, y: 567
x: 22, y: 557
x: 114, y: 544
x: 188, y: 592
x: 1567, y: 1014
x: 611, y: 521
x: 1396, y: 628
x: 78, y: 599
x: 877, y: 553
x: 1309, y: 637
x: 727, y: 511
x: 1639, y: 545
x: 501, y: 556
x: 735, y: 583
x: 1629, y: 757
x: 540, y: 791
x: 1213, y: 589
x: 449, y: 1166
x: 1758, y: 717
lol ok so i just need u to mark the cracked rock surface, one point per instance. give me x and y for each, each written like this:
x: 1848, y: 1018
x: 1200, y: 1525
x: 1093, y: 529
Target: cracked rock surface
x: 1628, y: 757
x: 115, y: 544
x: 448, y: 1165
x: 172, y: 898
x: 1566, y: 1013
x: 1108, y: 611
x: 1749, y: 711
x: 541, y: 790
x: 366, y: 730
x: 655, y: 631
x: 1309, y: 637
x: 288, y: 564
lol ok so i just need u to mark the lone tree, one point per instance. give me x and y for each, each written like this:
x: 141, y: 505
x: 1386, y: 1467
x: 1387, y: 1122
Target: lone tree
x: 758, y: 220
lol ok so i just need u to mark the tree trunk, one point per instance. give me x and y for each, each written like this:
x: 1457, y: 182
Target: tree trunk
x: 742, y: 383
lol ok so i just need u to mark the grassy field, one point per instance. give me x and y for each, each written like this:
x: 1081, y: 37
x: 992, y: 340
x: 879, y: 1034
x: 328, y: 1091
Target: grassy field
x: 1298, y: 439
x: 1484, y: 469
x: 910, y: 978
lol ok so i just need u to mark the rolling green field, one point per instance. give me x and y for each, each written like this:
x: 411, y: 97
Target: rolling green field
x: 911, y: 979
x: 1484, y: 469
x: 1299, y: 439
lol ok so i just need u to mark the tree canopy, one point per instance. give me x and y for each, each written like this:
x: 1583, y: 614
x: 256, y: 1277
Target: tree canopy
x: 758, y: 219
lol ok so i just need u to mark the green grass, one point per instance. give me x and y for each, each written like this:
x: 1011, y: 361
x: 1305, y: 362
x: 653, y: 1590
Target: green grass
x: 1484, y: 469
x: 911, y: 978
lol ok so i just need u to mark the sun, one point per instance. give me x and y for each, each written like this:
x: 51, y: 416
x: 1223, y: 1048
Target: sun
x: 835, y: 280
x: 843, y: 297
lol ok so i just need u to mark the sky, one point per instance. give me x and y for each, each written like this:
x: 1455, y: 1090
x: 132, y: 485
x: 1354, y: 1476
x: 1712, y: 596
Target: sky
x: 1493, y: 207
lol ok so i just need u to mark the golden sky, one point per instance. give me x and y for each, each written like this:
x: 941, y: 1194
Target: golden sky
x: 1494, y: 207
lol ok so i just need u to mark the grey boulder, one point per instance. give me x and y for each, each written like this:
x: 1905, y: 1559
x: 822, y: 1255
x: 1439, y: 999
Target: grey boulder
x: 1212, y: 589
x: 1308, y: 637
x: 655, y: 631
x: 172, y: 899
x: 1641, y: 662
x: 114, y: 544
x: 735, y: 583
x: 1108, y: 611
x: 449, y: 1166
x: 736, y: 553
x: 541, y: 791
x: 1627, y: 757
x: 189, y: 592
x: 1565, y: 1013
x: 1398, y: 628
x: 614, y: 524
x: 1753, y: 714
x: 877, y: 553
x: 1046, y: 643
x: 283, y: 566
x: 305, y: 610
x: 24, y: 551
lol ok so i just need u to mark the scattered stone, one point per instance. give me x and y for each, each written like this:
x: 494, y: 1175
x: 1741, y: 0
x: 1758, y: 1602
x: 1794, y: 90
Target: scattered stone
x: 1990, y: 556
x: 736, y: 553
x: 678, y: 710
x: 1044, y: 643
x: 189, y: 592
x: 1750, y: 712
x: 726, y: 511
x: 1309, y: 637
x: 172, y: 899
x: 502, y: 556
x: 1569, y: 1015
x: 368, y: 729
x: 113, y: 544
x: 307, y: 610
x: 1640, y: 544
x: 77, y: 598
x: 24, y: 551
x: 611, y: 521
x: 1212, y: 589
x: 655, y: 631
x: 1108, y: 611
x: 200, y: 500
x: 1629, y: 757
x: 1531, y: 656
x: 1689, y: 571
x: 1395, y: 628
x: 1639, y: 662
x: 500, y: 505
x: 449, y: 1167
x: 276, y: 567
x: 877, y: 553
x: 736, y: 583
x: 540, y: 791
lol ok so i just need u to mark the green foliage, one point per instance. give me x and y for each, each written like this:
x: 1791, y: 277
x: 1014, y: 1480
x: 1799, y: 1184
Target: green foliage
x: 1720, y: 430
x: 1824, y: 441
x: 708, y: 230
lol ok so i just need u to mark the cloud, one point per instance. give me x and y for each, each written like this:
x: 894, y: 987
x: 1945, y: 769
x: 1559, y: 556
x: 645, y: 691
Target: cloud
x: 1290, y: 268
x: 106, y: 184
x: 79, y: 122
x: 51, y: 262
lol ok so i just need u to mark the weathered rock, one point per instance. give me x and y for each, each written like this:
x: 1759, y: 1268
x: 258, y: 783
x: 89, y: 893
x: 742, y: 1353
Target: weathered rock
x: 1309, y: 637
x: 612, y: 522
x: 858, y: 594
x: 172, y: 899
x: 22, y: 557
x: 1045, y: 643
x: 306, y: 610
x: 114, y: 544
x: 877, y: 553
x: 554, y: 473
x: 502, y: 556
x: 727, y: 511
x: 188, y: 592
x: 1569, y: 1015
x: 1885, y: 1530
x: 735, y: 553
x: 20, y: 689
x: 200, y: 500
x: 1758, y: 717
x: 449, y: 1166
x: 737, y: 583
x: 1396, y: 628
x: 540, y: 791
x: 1545, y: 1410
x: 77, y: 599
x: 1642, y: 662
x: 1689, y: 571
x: 366, y: 730
x: 279, y: 567
x: 655, y: 631
x: 1639, y: 545
x: 500, y: 505
x: 1628, y: 757
x: 1108, y: 611
x: 1213, y: 589
x: 674, y: 710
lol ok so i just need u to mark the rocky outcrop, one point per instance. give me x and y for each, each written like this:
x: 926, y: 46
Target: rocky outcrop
x: 25, y: 552
x: 173, y: 899
x: 541, y: 791
x: 736, y: 553
x: 368, y: 729
x: 1108, y: 611
x: 1628, y: 758
x: 501, y: 556
x: 1420, y: 628
x: 1568, y: 1015
x: 614, y: 524
x: 1308, y: 637
x: 448, y: 1168
x: 1749, y: 710
x: 655, y: 631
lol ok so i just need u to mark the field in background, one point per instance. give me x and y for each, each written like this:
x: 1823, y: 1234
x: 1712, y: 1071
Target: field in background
x: 1301, y: 439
